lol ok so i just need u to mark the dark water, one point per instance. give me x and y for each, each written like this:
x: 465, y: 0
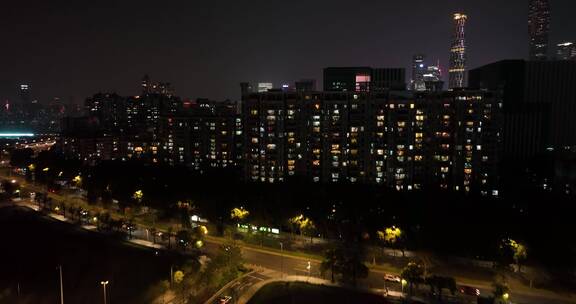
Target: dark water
x: 31, y: 247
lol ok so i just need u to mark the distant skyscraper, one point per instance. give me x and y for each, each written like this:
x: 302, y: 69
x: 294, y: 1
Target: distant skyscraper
x: 25, y: 93
x: 364, y: 79
x: 458, y: 53
x: 146, y: 84
x: 245, y: 88
x: 433, y: 78
x: 566, y: 51
x: 418, y: 70
x: 265, y: 86
x: 538, y: 28
x: 305, y: 85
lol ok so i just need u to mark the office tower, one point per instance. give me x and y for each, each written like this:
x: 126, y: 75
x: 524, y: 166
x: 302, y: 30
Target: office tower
x: 433, y: 78
x: 363, y: 79
x: 566, y: 51
x: 245, y: 88
x: 538, y: 28
x: 265, y: 86
x: 25, y: 94
x: 538, y: 99
x: 457, y: 72
x: 347, y: 79
x: 305, y: 85
x: 384, y: 79
x: 146, y: 85
x: 418, y: 70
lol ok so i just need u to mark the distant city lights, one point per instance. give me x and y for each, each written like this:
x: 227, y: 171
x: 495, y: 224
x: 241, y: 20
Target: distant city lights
x: 16, y: 134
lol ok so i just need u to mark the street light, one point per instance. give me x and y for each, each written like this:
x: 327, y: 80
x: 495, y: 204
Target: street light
x: 104, y: 283
x: 61, y: 285
x: 281, y: 260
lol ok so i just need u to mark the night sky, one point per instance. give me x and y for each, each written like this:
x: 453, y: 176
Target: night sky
x: 73, y: 49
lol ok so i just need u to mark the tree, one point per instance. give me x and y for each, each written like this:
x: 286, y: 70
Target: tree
x: 239, y: 214
x: 501, y: 291
x: 169, y: 233
x: 184, y: 208
x: 330, y: 263
x: 391, y: 236
x: 511, y: 249
x: 138, y: 196
x: 413, y: 274
x: 304, y: 224
x: 224, y: 267
x: 184, y: 238
x: 77, y: 181
x: 345, y: 262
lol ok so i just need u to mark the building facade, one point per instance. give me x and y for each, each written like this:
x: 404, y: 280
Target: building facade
x: 404, y: 140
x: 566, y: 51
x: 539, y: 104
x: 363, y: 79
x: 418, y: 71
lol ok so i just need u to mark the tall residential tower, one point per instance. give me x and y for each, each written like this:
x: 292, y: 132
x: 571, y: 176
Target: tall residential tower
x: 538, y: 28
x: 458, y: 53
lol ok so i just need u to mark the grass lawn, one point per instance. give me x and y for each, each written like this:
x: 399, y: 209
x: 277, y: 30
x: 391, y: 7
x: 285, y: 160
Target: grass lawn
x: 296, y: 292
x: 33, y: 246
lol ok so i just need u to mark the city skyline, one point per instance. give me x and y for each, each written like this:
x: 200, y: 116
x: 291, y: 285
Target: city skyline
x: 162, y: 50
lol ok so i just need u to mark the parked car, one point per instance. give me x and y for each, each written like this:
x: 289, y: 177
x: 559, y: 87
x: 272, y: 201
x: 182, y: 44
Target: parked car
x: 471, y: 291
x: 392, y: 278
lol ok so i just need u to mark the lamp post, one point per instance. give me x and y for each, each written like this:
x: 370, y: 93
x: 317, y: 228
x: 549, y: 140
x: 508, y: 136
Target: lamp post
x: 104, y: 283
x: 61, y: 285
x: 281, y: 260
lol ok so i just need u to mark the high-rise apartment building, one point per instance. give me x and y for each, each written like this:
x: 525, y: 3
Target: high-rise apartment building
x: 457, y: 72
x: 539, y: 104
x: 538, y: 29
x: 206, y: 135
x: 405, y: 140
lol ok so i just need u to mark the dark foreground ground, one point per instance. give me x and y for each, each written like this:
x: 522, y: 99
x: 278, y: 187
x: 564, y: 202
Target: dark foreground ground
x: 32, y: 246
x: 302, y: 293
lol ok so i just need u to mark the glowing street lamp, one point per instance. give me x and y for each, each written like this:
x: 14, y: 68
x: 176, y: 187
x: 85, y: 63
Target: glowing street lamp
x: 104, y: 283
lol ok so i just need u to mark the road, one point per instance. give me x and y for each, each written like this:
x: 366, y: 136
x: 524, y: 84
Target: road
x: 291, y: 265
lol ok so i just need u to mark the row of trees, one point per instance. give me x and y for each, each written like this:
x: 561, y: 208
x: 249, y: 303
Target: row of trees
x: 303, y: 210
